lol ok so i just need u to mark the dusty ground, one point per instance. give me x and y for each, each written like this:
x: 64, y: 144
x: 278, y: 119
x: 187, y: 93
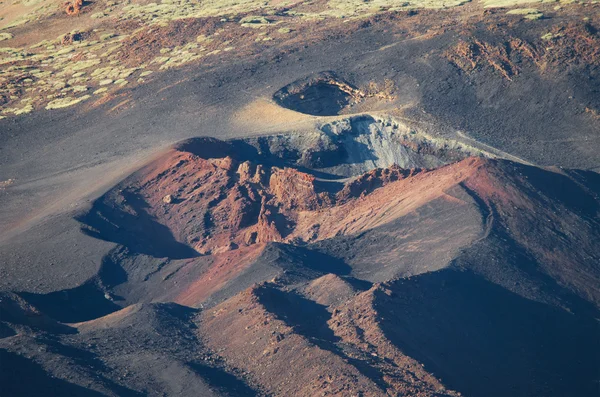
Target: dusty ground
x: 401, y: 200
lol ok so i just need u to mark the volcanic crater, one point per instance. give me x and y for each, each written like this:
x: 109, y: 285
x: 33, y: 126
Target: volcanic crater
x: 324, y: 94
x: 209, y: 196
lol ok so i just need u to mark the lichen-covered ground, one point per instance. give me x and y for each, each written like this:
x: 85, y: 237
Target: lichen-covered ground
x: 50, y: 60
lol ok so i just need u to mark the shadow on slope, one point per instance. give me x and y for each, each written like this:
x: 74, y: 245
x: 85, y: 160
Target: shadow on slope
x: 223, y: 381
x: 310, y: 320
x: 16, y: 311
x: 82, y: 303
x: 87, y: 301
x: 559, y: 188
x: 307, y: 317
x: 22, y: 377
x: 287, y: 263
x: 481, y: 339
x: 124, y: 220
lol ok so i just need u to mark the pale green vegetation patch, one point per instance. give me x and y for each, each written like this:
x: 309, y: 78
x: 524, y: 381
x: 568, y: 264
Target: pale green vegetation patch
x: 35, y: 9
x: 534, y: 17
x: 107, y: 36
x: 254, y: 21
x: 10, y: 55
x: 168, y: 10
x: 65, y: 51
x: 59, y: 85
x: 24, y: 110
x: 28, y: 3
x: 123, y: 74
x: 160, y: 60
x: 9, y: 50
x: 110, y: 50
x: 65, y: 102
x: 512, y: 3
x: 19, y: 111
x: 77, y: 81
x: 5, y: 36
x: 507, y: 3
x: 523, y: 11
x: 19, y: 21
x: 43, y: 43
x: 84, y: 64
x: 179, y: 58
x: 344, y: 8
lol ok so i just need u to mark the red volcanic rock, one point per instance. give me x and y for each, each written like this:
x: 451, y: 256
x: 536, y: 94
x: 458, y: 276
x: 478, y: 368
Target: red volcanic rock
x: 357, y: 323
x: 268, y: 228
x: 372, y: 180
x: 244, y: 171
x: 244, y: 204
x: 218, y: 204
x: 293, y: 189
x: 226, y: 163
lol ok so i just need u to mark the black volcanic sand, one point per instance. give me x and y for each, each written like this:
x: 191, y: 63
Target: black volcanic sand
x: 525, y: 348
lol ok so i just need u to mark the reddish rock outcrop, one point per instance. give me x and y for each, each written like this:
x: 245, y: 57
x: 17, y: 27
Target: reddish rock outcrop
x: 220, y: 203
